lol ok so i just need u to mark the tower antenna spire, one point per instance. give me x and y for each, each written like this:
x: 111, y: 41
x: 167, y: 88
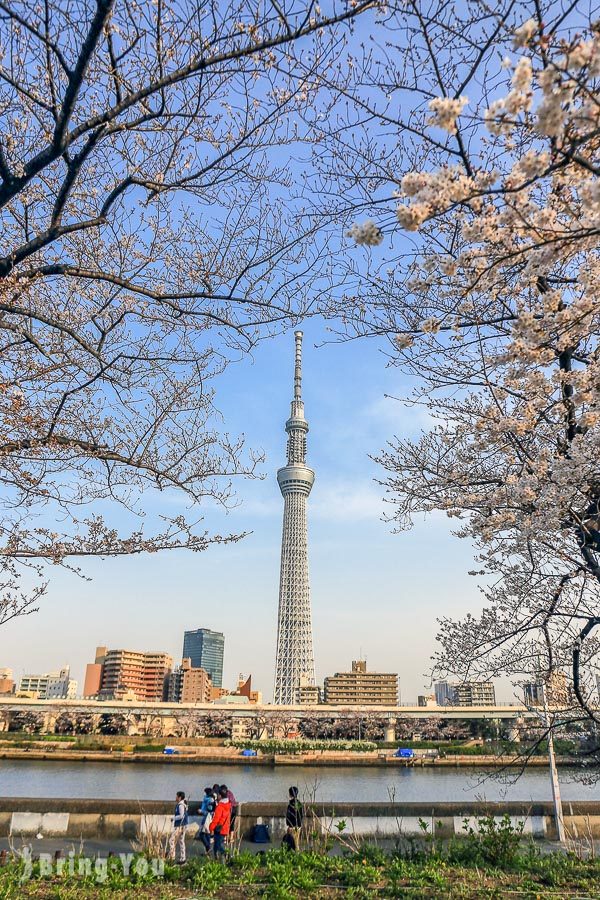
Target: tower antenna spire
x: 298, y: 367
x: 294, y: 663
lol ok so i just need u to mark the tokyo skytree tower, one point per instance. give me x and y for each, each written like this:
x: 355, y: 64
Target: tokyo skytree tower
x: 294, y: 628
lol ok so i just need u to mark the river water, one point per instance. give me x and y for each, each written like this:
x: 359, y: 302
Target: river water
x: 139, y: 781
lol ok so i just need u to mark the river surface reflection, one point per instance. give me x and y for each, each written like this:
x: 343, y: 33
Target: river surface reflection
x: 139, y: 781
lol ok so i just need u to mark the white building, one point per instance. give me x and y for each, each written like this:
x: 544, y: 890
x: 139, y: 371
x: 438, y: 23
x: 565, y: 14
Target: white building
x: 50, y: 686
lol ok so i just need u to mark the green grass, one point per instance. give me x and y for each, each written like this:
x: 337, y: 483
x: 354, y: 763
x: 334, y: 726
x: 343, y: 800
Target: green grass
x: 425, y: 869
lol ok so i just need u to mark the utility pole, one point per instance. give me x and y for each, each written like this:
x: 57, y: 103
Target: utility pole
x: 558, y: 810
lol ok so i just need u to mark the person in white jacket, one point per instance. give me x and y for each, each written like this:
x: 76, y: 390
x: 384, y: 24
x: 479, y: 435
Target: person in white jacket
x: 180, y: 823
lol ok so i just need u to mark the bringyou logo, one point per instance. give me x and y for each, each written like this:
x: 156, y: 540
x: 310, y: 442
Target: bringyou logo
x: 97, y: 868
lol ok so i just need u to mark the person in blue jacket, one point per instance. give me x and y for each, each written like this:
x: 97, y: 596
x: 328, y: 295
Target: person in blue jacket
x: 207, y: 808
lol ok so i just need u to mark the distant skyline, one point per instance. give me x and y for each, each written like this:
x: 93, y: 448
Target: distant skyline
x: 375, y: 595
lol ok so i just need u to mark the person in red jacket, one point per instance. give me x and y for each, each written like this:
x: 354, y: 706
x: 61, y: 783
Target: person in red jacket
x: 221, y: 822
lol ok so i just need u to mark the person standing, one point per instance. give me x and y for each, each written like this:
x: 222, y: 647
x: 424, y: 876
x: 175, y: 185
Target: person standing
x: 180, y: 823
x: 207, y: 809
x: 221, y: 823
x: 234, y: 807
x: 294, y: 816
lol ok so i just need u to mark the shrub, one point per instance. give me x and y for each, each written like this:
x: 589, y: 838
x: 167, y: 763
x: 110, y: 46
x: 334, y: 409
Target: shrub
x: 299, y: 745
x: 492, y: 841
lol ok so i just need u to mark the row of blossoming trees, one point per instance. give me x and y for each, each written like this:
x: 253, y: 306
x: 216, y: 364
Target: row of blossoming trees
x: 348, y: 725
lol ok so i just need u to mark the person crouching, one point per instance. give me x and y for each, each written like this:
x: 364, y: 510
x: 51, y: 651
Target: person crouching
x: 221, y: 823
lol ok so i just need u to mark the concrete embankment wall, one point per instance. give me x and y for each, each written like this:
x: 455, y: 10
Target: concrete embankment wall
x: 226, y: 756
x: 76, y: 819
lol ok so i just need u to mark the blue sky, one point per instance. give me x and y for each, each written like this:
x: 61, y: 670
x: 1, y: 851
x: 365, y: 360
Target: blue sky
x: 373, y: 593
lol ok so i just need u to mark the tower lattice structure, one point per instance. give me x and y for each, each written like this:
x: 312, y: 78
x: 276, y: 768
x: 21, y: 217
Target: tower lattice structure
x: 295, y: 661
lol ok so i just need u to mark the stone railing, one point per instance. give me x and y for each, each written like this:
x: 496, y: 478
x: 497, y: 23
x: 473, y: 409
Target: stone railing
x: 127, y: 819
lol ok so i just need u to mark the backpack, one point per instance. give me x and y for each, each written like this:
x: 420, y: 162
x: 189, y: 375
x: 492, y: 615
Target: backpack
x: 261, y: 834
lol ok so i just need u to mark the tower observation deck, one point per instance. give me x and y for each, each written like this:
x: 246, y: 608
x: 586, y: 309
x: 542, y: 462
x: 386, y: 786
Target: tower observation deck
x: 294, y: 661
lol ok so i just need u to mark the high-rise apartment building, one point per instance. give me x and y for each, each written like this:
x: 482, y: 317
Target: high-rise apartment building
x: 205, y: 649
x: 115, y: 673
x: 50, y: 686
x: 474, y: 693
x: 189, y: 685
x: 359, y: 687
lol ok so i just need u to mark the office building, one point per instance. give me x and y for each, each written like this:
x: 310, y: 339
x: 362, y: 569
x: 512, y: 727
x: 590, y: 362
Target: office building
x: 359, y: 687
x: 61, y: 686
x: 474, y: 693
x: 294, y: 654
x: 189, y: 685
x: 7, y: 683
x: 444, y: 693
x: 117, y: 673
x: 50, y: 686
x: 205, y: 649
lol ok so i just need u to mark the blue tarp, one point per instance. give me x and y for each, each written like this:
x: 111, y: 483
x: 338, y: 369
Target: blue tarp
x: 404, y: 753
x: 248, y: 752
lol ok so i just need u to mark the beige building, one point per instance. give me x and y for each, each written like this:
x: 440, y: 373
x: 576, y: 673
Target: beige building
x: 426, y: 700
x: 189, y: 685
x: 558, y: 690
x: 361, y: 688
x: 116, y: 673
x: 7, y: 683
x: 308, y: 694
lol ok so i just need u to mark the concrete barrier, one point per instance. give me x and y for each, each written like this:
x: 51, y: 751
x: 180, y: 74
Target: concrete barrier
x: 108, y: 819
